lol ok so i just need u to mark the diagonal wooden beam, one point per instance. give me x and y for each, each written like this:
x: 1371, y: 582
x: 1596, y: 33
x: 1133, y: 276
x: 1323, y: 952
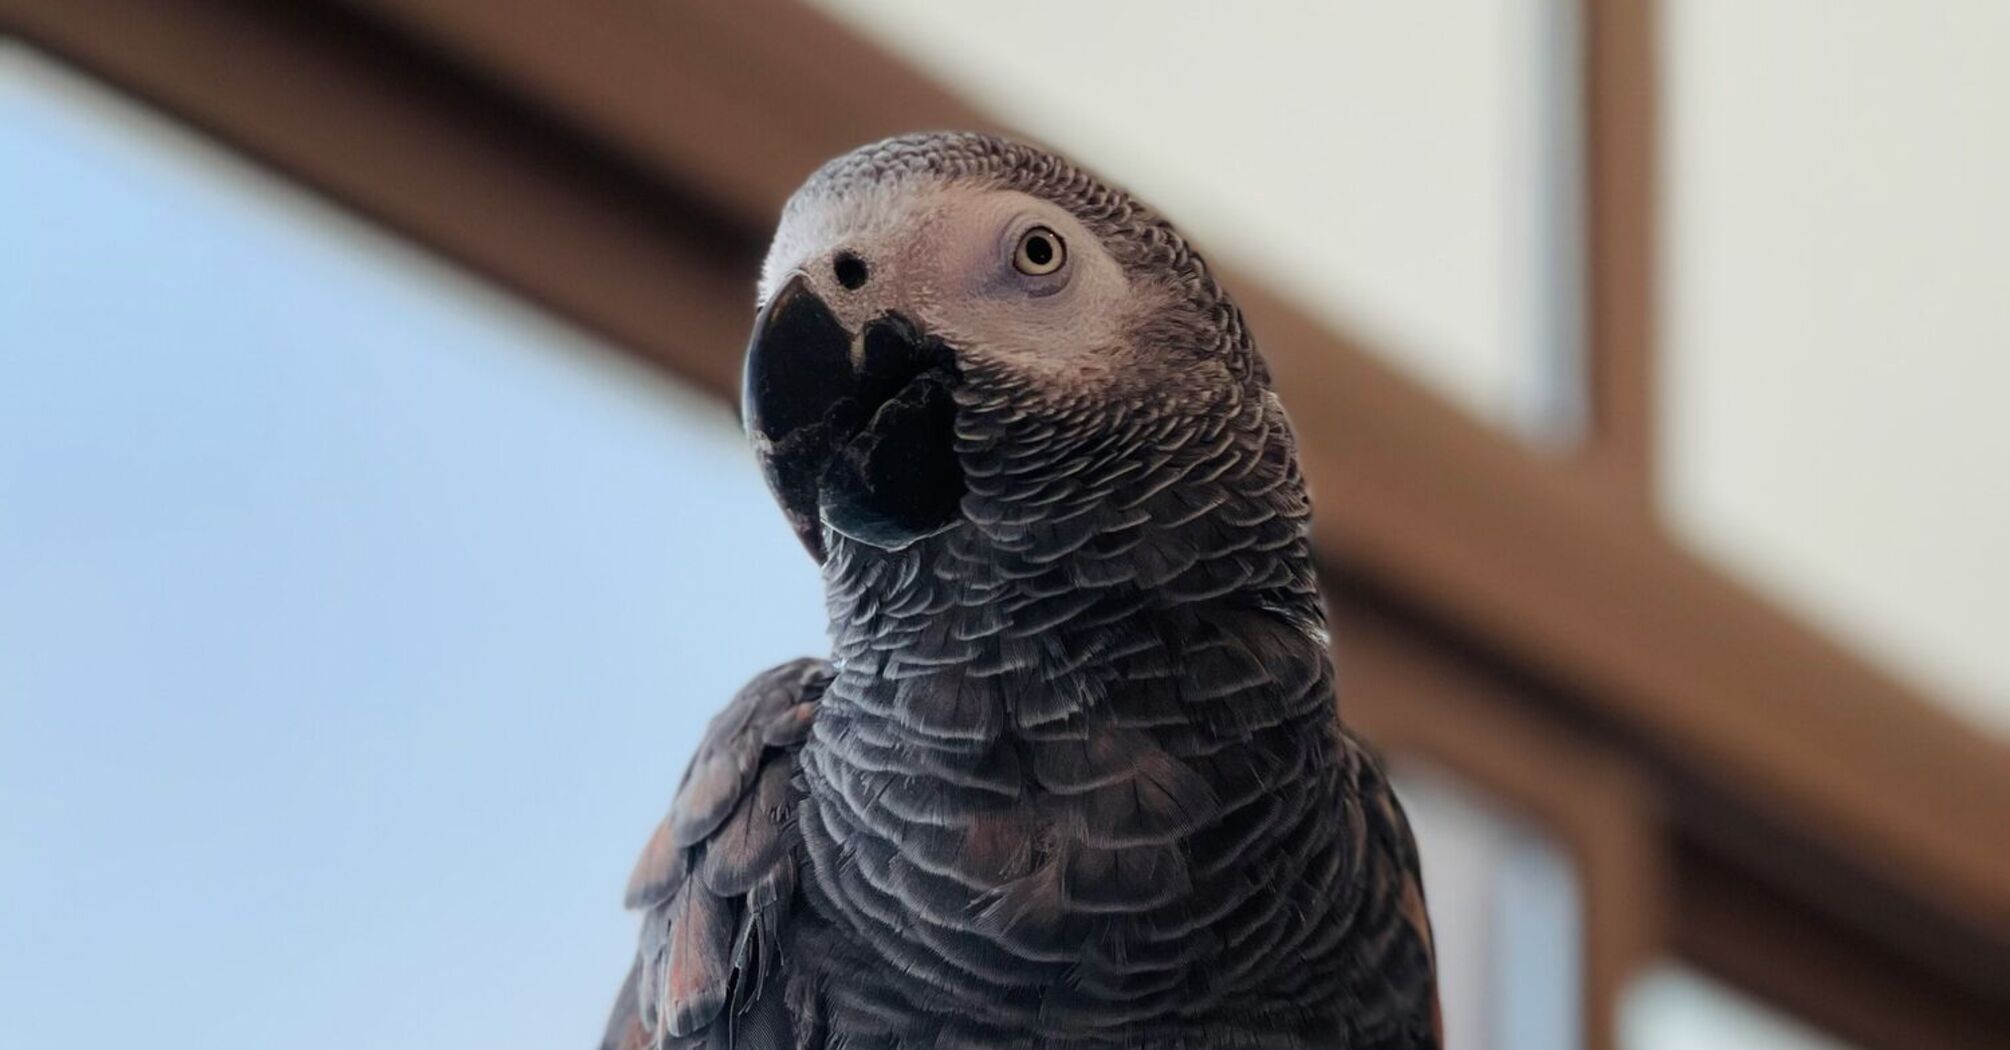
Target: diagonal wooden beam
x: 330, y: 101
x: 1778, y: 947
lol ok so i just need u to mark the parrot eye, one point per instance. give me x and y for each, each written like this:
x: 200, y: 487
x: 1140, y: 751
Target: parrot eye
x: 1040, y: 252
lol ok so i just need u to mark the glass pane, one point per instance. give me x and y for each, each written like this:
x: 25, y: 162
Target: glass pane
x: 1407, y: 171
x: 1506, y: 913
x: 356, y: 620
x: 1837, y: 342
x: 1672, y: 1007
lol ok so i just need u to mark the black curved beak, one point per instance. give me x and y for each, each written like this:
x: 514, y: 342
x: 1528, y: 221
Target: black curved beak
x: 862, y: 442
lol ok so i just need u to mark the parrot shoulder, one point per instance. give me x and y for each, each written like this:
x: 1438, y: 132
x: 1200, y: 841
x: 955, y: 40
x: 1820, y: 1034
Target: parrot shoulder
x: 1398, y: 926
x: 717, y: 881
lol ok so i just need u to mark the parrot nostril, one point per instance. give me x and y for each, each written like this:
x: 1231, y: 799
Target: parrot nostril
x: 850, y: 270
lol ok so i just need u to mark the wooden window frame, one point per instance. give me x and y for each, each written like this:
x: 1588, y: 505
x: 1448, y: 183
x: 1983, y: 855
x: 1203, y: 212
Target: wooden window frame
x: 1737, y: 787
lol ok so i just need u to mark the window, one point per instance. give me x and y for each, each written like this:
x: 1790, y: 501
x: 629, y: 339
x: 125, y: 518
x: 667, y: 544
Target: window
x: 1675, y: 1008
x: 355, y: 620
x: 1507, y: 916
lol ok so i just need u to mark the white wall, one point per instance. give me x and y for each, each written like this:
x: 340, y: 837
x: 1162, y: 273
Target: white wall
x: 1836, y: 377
x: 1391, y: 165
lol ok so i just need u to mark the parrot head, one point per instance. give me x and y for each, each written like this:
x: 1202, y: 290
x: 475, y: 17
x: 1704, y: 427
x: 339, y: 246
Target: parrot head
x: 919, y: 281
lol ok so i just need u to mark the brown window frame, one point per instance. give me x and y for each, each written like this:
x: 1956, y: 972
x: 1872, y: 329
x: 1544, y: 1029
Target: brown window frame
x: 1739, y: 790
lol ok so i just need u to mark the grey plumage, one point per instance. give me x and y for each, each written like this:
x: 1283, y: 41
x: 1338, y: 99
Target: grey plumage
x: 1073, y: 776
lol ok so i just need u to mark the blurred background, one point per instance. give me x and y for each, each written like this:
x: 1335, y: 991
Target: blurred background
x: 376, y: 535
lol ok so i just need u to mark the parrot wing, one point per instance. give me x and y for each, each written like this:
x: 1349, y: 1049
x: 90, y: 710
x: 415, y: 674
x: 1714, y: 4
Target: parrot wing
x: 1395, y: 986
x: 717, y: 881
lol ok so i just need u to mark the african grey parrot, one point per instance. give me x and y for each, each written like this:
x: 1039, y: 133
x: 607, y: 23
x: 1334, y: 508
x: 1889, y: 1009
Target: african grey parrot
x: 1072, y: 776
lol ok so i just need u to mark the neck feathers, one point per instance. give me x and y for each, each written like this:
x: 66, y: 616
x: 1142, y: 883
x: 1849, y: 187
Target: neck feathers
x: 1095, y: 717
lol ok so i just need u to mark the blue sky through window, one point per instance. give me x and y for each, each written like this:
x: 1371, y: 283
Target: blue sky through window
x: 355, y: 619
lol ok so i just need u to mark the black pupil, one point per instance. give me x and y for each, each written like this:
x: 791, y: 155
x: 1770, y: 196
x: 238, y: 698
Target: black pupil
x: 850, y: 270
x: 1039, y: 250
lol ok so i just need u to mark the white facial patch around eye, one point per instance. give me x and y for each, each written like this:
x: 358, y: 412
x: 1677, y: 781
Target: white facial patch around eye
x: 941, y: 253
x: 1073, y: 322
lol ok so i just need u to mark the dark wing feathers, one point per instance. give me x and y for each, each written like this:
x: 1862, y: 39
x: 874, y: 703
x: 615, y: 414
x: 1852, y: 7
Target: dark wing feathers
x: 750, y: 842
x: 697, y: 970
x: 1396, y: 944
x: 718, y: 881
x: 718, y: 878
x: 660, y: 871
